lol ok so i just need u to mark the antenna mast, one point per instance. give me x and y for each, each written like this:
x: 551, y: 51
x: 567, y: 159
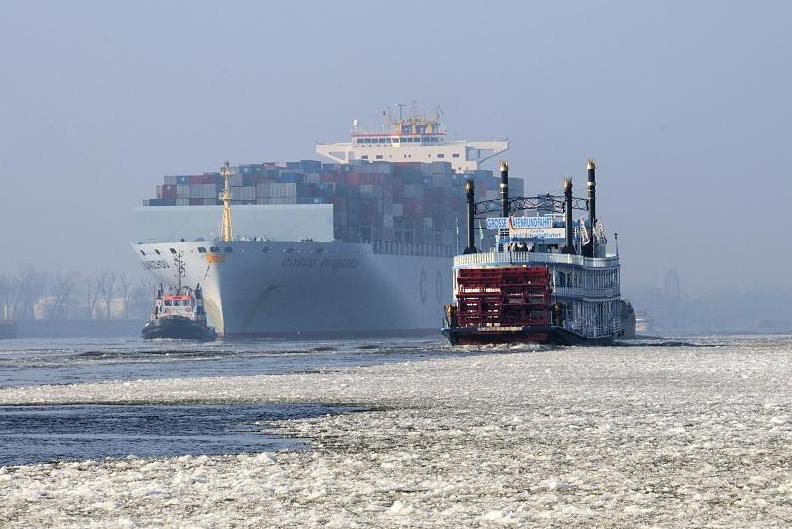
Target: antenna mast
x: 179, y: 271
x: 227, y: 232
x: 401, y: 109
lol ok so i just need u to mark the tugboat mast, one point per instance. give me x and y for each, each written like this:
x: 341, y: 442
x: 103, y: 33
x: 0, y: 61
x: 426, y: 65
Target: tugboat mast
x: 227, y: 233
x: 179, y: 271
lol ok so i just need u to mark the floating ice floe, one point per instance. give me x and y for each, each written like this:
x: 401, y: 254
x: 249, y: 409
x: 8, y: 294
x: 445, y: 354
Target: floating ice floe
x: 579, y: 437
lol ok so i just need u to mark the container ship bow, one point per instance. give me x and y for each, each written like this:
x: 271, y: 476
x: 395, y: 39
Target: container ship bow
x: 547, y: 279
x: 359, y: 246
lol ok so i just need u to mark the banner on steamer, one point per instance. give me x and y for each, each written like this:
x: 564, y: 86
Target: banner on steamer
x: 530, y: 228
x: 502, y: 223
x: 538, y: 234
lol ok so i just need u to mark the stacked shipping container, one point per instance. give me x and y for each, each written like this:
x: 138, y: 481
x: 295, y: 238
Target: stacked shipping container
x: 415, y: 203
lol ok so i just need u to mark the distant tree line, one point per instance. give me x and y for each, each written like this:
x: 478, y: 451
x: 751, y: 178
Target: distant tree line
x: 35, y: 294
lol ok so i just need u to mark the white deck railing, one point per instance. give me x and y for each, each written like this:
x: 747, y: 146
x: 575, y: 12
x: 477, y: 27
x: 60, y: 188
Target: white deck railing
x: 502, y: 258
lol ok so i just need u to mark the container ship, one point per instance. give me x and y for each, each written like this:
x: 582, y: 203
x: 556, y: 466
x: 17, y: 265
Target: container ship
x: 357, y: 246
x: 548, y: 277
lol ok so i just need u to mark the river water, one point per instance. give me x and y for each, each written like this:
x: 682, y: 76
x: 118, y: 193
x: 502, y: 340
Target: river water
x: 691, y: 432
x: 35, y: 434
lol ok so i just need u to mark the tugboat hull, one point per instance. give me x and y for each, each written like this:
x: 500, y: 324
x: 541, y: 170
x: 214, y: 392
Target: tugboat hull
x: 179, y: 329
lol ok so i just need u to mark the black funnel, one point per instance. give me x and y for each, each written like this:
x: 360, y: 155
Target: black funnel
x: 504, y: 189
x: 568, y: 228
x: 592, y: 205
x: 470, y: 193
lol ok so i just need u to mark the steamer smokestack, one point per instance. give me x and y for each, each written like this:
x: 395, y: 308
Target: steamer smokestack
x: 592, y: 188
x: 470, y: 189
x: 592, y: 204
x: 568, y: 228
x: 504, y: 189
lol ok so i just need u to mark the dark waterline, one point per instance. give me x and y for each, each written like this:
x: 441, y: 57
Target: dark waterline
x: 42, y: 434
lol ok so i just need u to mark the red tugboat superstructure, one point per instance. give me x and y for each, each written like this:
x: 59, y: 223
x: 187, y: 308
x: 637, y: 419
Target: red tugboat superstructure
x: 548, y: 279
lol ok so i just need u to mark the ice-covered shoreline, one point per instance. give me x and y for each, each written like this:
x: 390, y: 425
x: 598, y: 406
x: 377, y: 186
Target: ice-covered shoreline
x: 607, y: 437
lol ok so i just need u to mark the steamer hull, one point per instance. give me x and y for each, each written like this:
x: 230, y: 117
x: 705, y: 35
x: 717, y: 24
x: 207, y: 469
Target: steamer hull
x: 539, y: 335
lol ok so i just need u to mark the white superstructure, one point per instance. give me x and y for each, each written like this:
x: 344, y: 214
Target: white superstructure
x: 413, y: 139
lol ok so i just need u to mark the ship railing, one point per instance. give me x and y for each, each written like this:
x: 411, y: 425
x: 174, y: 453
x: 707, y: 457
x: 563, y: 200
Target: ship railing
x: 577, y: 292
x: 405, y: 248
x: 502, y: 258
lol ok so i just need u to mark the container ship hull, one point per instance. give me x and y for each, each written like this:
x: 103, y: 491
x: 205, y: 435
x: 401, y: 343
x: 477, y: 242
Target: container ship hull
x: 277, y: 289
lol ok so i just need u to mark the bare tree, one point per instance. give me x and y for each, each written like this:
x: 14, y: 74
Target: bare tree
x: 30, y: 287
x: 107, y: 283
x: 62, y: 286
x: 142, y: 296
x: 92, y: 290
x: 7, y: 297
x: 125, y: 284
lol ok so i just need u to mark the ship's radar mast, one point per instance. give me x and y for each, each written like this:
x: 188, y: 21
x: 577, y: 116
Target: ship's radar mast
x: 227, y: 232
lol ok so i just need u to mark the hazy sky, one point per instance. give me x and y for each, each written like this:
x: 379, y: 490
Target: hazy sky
x: 686, y: 106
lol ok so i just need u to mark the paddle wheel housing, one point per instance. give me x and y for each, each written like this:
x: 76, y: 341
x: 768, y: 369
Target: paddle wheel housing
x: 503, y: 297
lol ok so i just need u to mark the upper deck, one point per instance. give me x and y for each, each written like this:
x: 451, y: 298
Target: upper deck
x: 412, y: 139
x: 411, y: 126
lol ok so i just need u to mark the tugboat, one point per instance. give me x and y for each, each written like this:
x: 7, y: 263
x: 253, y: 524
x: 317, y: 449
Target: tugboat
x: 548, y: 279
x: 179, y: 314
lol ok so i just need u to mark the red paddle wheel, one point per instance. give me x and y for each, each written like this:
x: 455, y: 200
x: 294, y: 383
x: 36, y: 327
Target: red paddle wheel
x: 503, y: 297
